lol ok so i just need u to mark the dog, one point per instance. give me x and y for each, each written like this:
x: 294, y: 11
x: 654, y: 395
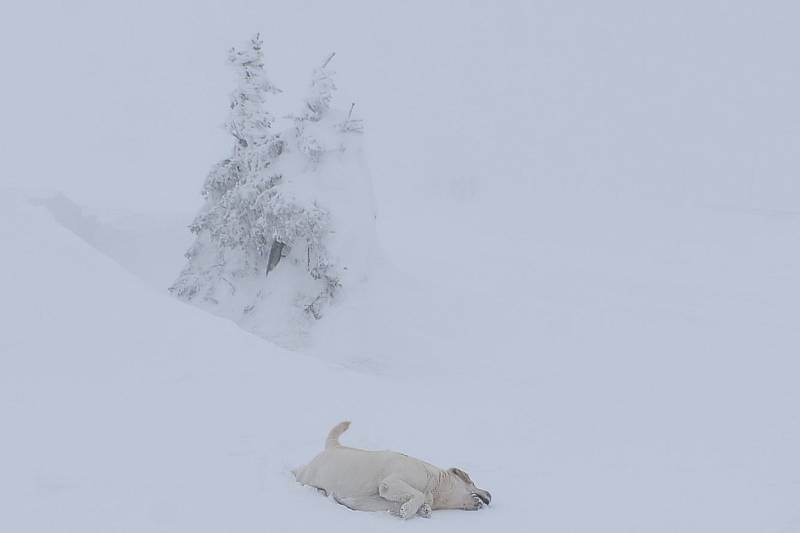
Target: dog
x: 365, y: 480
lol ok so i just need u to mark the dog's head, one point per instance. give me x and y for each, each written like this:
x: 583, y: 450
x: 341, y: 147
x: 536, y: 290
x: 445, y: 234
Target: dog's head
x: 462, y: 493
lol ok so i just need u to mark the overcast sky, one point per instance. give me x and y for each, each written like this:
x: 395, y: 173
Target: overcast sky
x: 122, y: 103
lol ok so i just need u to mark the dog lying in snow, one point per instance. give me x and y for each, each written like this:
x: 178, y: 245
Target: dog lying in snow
x: 365, y: 480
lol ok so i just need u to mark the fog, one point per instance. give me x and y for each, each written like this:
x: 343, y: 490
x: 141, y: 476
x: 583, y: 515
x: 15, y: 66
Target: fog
x: 121, y: 104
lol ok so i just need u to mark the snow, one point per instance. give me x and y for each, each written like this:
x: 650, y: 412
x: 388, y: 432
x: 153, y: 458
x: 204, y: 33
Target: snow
x: 607, y: 387
x: 586, y: 294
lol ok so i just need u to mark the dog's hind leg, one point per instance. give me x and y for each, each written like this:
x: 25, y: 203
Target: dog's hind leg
x: 410, y: 499
x: 368, y: 503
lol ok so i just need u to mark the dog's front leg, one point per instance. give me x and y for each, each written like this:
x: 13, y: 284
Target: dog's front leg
x: 395, y: 489
x: 426, y: 508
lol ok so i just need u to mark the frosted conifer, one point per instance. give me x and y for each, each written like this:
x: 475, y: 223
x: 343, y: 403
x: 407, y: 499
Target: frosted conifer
x: 262, y: 254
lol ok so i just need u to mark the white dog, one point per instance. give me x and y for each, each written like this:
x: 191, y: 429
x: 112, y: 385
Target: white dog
x: 366, y: 480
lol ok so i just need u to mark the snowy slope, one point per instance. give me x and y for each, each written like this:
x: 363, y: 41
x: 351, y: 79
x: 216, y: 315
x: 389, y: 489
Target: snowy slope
x: 125, y: 410
x: 597, y: 401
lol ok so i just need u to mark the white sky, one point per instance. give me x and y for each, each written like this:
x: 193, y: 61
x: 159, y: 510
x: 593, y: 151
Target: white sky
x: 121, y: 103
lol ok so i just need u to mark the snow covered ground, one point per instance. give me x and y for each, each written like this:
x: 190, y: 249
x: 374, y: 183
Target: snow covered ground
x: 622, y: 377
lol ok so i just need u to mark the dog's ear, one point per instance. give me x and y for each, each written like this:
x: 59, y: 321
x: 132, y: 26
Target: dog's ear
x: 461, y: 474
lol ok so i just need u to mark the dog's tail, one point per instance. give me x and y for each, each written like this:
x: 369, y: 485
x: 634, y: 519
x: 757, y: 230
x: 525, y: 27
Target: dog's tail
x: 333, y: 437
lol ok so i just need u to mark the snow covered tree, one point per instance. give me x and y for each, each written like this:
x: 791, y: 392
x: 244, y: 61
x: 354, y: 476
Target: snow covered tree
x: 228, y: 240
x: 267, y: 250
x: 317, y: 106
x: 311, y: 133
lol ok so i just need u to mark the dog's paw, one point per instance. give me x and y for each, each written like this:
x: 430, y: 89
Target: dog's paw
x: 403, y: 512
x: 424, y: 511
x: 477, y: 503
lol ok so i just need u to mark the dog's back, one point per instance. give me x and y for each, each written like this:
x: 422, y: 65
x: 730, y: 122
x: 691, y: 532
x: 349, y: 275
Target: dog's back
x: 354, y: 472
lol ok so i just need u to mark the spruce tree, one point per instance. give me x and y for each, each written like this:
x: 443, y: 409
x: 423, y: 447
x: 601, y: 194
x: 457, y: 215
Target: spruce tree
x: 262, y: 250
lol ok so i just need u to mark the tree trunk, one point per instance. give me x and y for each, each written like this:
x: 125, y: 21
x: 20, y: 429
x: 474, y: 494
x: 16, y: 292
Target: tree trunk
x: 275, y: 254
